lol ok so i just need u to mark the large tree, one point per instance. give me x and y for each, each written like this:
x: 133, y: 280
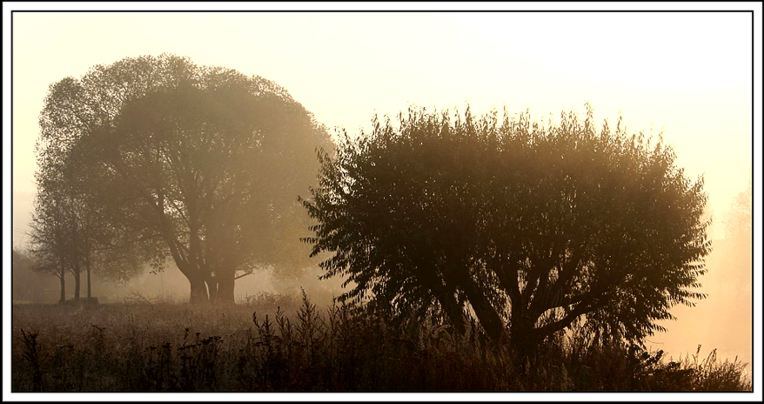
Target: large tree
x: 527, y: 228
x: 199, y: 164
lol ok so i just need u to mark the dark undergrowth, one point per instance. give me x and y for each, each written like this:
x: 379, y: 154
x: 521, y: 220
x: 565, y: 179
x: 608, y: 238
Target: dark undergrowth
x: 155, y: 347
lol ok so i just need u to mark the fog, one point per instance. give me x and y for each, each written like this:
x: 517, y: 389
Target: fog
x: 685, y: 76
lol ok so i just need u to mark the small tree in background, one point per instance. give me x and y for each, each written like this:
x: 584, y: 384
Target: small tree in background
x: 67, y: 236
x: 54, y: 236
x: 70, y: 231
x: 527, y: 228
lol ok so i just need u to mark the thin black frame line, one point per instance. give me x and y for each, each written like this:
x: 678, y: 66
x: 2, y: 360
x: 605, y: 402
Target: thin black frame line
x: 753, y: 101
x: 10, y: 360
x: 753, y: 199
x: 753, y: 206
x: 381, y: 11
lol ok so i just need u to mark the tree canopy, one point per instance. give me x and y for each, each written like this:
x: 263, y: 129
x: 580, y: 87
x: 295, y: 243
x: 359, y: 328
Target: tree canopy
x: 200, y: 164
x: 525, y: 227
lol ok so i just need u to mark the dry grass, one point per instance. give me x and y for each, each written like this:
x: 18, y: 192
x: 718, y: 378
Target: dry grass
x: 257, y: 347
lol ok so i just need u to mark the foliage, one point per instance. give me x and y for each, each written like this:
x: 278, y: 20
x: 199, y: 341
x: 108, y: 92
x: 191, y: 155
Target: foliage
x: 69, y: 231
x: 202, y: 164
x: 57, y: 244
x: 528, y: 228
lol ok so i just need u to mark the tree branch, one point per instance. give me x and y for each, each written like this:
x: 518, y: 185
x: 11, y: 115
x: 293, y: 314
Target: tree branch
x: 585, y: 306
x: 242, y: 275
x: 552, y: 297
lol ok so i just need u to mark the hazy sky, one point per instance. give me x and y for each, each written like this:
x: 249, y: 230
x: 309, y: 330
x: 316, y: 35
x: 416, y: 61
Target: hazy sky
x: 687, y: 75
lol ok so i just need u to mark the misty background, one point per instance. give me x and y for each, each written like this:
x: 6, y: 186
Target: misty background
x: 687, y: 76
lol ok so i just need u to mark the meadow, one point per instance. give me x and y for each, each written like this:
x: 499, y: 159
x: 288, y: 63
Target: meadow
x: 288, y: 344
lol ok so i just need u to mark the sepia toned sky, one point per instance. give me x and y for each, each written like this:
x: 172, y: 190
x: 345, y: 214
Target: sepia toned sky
x: 686, y: 75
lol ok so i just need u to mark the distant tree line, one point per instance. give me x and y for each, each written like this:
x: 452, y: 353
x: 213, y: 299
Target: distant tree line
x: 527, y: 229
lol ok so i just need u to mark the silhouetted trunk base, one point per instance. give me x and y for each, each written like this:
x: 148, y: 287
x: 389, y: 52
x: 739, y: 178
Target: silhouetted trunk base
x: 225, y: 290
x: 524, y: 348
x: 62, y: 296
x: 77, y: 286
x: 212, y: 289
x: 89, y: 296
x: 198, y: 291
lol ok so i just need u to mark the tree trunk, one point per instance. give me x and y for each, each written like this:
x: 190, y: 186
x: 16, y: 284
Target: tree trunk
x: 212, y: 288
x: 225, y: 288
x: 453, y: 311
x: 62, y: 278
x: 77, y: 286
x: 523, y: 339
x: 523, y: 342
x: 87, y: 269
x: 198, y: 290
x: 486, y: 314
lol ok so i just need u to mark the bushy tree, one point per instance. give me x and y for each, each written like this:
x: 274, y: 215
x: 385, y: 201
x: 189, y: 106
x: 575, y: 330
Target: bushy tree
x: 201, y: 164
x: 525, y: 227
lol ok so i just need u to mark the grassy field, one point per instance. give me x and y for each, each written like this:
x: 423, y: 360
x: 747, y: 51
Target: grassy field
x: 278, y: 343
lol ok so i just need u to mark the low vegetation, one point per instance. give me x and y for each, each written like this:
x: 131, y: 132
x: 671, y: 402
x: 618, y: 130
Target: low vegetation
x: 277, y: 343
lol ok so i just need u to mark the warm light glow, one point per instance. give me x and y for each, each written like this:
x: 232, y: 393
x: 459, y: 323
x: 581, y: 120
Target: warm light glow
x: 687, y: 76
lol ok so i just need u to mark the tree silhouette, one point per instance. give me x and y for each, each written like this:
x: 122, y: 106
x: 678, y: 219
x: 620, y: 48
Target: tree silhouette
x: 51, y: 239
x: 204, y: 166
x: 527, y: 228
x: 69, y: 232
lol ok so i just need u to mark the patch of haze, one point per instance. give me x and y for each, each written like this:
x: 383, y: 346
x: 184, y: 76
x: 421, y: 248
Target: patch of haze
x: 723, y: 320
x: 171, y: 286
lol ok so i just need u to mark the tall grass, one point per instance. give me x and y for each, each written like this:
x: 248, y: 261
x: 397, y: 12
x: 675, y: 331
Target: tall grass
x: 259, y: 347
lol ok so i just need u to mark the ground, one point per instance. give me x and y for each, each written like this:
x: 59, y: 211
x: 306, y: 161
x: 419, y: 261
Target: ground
x: 278, y: 343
